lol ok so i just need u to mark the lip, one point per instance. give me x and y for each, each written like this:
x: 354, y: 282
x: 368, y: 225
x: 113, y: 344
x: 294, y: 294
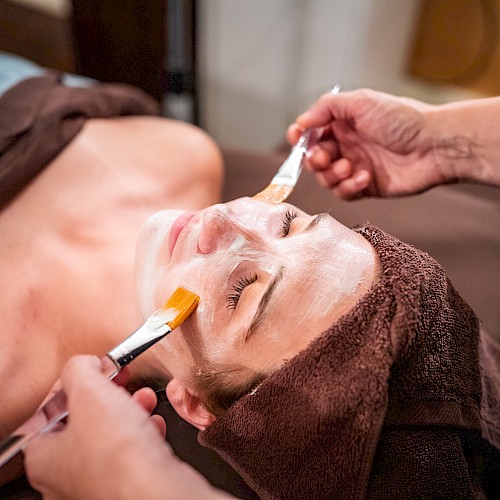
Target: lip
x: 177, y: 227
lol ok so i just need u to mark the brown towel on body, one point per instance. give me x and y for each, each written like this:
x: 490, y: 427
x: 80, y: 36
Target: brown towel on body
x: 384, y: 404
x: 39, y: 116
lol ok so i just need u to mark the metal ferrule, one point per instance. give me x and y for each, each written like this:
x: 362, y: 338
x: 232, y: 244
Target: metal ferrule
x: 153, y: 330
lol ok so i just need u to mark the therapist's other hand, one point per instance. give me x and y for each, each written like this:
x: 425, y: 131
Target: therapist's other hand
x: 374, y: 144
x: 110, y: 446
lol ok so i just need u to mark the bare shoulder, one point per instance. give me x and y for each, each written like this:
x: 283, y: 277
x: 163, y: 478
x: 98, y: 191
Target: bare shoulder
x: 177, y: 157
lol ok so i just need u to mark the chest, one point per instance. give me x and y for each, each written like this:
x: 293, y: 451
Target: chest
x: 71, y: 279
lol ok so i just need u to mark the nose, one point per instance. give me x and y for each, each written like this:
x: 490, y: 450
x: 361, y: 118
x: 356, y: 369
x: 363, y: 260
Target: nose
x: 221, y: 227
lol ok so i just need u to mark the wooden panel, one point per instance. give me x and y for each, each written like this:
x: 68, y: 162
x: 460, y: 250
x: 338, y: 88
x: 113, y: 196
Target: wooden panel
x: 45, y: 39
x: 458, y: 42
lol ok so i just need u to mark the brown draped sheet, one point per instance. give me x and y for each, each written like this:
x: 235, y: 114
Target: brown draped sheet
x: 39, y: 116
x: 385, y: 404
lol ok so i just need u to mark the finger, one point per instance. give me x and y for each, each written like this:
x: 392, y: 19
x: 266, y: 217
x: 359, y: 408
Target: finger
x: 317, y: 159
x: 326, y: 109
x: 321, y: 156
x: 123, y: 376
x: 58, y: 384
x: 121, y: 379
x: 353, y: 187
x: 293, y: 133
x: 83, y: 371
x: 86, y: 386
x: 337, y: 172
x: 80, y: 369
x: 160, y: 424
x: 331, y: 148
x: 146, y: 397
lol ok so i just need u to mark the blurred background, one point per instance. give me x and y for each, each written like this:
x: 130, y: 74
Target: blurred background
x: 243, y: 69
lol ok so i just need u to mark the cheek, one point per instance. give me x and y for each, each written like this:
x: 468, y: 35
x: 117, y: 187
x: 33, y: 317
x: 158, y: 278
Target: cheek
x: 188, y: 275
x: 204, y: 332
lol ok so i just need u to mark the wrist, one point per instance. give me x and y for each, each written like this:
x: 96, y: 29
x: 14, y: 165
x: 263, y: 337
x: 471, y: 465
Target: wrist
x: 452, y: 150
x: 464, y: 149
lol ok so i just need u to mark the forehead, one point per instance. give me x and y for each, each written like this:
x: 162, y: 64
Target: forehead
x: 256, y: 211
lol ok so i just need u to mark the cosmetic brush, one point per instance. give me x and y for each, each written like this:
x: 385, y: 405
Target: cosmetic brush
x: 283, y: 183
x: 178, y: 307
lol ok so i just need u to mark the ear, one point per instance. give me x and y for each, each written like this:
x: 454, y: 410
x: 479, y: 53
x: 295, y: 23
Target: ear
x: 188, y: 406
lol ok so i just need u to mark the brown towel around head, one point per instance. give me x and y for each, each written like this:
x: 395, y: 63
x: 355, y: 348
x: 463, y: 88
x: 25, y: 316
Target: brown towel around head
x: 39, y: 116
x: 385, y: 404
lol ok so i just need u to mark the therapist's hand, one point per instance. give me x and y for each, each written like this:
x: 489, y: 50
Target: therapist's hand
x: 110, y: 446
x: 374, y: 144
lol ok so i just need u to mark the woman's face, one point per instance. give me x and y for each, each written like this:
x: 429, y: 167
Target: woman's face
x: 270, y: 279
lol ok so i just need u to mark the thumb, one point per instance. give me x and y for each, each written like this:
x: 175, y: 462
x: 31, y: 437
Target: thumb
x: 84, y: 382
x: 327, y: 108
x: 79, y: 369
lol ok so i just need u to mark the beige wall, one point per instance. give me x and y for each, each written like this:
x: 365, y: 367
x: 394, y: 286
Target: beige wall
x: 263, y: 61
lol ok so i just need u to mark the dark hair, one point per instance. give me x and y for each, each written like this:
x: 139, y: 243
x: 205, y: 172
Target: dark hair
x: 218, y: 390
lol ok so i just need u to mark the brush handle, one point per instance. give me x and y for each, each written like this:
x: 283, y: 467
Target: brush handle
x: 47, y: 416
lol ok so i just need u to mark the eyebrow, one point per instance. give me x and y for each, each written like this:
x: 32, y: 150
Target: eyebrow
x: 264, y: 301
x: 316, y: 221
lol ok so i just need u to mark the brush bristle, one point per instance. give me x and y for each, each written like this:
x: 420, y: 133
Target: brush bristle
x: 274, y: 193
x: 179, y: 306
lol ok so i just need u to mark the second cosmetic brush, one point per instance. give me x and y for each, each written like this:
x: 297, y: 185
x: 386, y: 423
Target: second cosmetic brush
x: 178, y: 307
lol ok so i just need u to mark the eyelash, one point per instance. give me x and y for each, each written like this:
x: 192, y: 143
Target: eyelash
x: 287, y: 221
x: 233, y: 298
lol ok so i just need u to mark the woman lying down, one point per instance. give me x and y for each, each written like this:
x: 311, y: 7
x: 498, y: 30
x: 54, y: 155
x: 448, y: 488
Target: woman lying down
x: 321, y: 362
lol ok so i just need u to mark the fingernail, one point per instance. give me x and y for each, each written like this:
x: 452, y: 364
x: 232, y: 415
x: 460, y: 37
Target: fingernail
x: 362, y: 178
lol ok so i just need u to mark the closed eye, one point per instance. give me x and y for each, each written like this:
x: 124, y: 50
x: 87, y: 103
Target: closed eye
x: 233, y: 298
x: 287, y: 221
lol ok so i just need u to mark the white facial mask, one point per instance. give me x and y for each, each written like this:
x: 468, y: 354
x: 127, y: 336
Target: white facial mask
x: 317, y: 264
